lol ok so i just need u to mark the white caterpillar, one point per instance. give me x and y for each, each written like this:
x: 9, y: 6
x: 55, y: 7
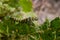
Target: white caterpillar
x: 49, y: 9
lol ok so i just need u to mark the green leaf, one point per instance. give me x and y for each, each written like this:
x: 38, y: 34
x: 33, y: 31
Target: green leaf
x: 55, y: 24
x: 26, y: 5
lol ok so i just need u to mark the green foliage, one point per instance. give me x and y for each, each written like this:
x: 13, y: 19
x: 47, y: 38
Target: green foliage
x: 26, y: 4
x: 51, y: 30
x: 55, y: 24
x: 13, y: 6
x: 17, y: 22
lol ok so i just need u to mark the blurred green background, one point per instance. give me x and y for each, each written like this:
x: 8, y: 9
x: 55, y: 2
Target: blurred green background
x: 19, y: 22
